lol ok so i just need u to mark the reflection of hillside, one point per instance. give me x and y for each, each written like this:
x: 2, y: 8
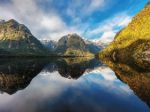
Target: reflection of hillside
x: 139, y: 81
x: 16, y: 74
x: 71, y: 70
x: 72, y: 67
x: 77, y: 60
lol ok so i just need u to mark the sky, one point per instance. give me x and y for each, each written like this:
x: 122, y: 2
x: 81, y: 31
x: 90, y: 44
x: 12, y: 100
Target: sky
x: 96, y: 20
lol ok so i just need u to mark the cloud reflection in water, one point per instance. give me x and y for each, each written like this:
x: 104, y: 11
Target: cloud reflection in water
x: 95, y: 91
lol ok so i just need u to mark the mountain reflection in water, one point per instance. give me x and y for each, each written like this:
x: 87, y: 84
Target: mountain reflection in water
x: 137, y: 78
x: 16, y: 74
x: 69, y: 85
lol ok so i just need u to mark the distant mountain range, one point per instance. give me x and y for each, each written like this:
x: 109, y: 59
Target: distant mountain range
x: 17, y: 40
x: 94, y: 47
x: 50, y: 44
x: 72, y: 42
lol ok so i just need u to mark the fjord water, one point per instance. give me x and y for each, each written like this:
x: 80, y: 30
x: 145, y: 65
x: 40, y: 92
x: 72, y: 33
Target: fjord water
x: 72, y: 85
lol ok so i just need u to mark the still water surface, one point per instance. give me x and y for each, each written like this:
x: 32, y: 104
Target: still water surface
x: 70, y: 85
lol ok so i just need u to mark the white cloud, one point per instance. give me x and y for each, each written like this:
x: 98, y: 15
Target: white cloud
x: 85, y: 7
x: 107, y: 36
x: 42, y: 25
x: 51, y: 25
x: 110, y: 27
x: 94, y: 5
x: 105, y: 72
x: 97, y: 3
x: 125, y: 21
x: 47, y: 25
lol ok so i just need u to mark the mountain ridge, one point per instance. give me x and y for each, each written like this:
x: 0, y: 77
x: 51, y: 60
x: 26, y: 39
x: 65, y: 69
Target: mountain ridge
x: 17, y: 39
x: 64, y: 43
x: 125, y: 45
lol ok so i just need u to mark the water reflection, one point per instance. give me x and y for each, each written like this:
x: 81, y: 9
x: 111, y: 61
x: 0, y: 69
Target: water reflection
x: 138, y: 79
x: 16, y: 74
x: 62, y: 85
x: 70, y: 69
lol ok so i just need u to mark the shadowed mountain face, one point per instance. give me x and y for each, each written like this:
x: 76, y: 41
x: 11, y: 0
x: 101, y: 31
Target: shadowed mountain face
x: 49, y: 44
x: 137, y: 78
x: 72, y: 45
x: 137, y: 54
x: 16, y: 74
x: 61, y: 46
x: 93, y: 47
x: 72, y: 41
x: 17, y: 39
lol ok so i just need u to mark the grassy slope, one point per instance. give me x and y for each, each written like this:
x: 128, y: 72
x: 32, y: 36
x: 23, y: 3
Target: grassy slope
x: 138, y: 29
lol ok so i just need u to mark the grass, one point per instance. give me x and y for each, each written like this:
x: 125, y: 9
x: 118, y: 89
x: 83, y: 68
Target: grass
x: 138, y: 29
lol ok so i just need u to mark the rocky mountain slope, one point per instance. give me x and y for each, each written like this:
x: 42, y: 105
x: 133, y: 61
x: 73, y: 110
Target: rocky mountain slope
x: 72, y: 41
x: 132, y: 42
x: 72, y: 45
x: 50, y: 44
x: 17, y: 40
x: 93, y: 47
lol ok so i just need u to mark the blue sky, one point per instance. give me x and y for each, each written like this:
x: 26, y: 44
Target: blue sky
x: 92, y: 19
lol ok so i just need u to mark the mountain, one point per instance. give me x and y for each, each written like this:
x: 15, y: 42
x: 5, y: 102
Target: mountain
x: 72, y: 41
x: 72, y: 45
x: 132, y: 42
x: 93, y: 47
x: 101, y: 43
x: 17, y: 40
x: 50, y: 44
